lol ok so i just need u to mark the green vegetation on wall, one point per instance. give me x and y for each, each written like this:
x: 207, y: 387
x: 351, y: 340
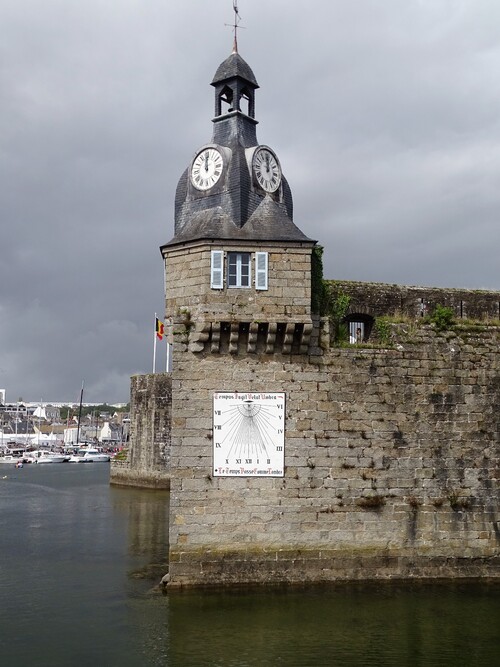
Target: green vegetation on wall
x: 442, y: 317
x: 337, y: 311
x: 382, y: 330
x: 319, y: 287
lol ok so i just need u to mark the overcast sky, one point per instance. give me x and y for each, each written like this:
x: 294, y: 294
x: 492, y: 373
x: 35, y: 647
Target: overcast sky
x: 385, y: 116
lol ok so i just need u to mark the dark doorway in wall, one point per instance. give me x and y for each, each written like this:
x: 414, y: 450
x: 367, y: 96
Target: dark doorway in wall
x: 359, y: 326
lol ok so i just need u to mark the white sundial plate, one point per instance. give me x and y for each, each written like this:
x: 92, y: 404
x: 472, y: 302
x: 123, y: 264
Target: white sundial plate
x: 249, y: 434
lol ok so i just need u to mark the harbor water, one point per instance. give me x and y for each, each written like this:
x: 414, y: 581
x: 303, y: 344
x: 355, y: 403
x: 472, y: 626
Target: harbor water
x: 79, y: 565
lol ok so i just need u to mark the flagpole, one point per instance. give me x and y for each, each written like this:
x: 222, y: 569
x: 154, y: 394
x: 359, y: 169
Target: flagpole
x: 154, y: 345
x: 167, y: 365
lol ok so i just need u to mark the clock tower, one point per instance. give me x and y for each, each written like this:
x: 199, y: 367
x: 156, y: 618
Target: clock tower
x: 238, y: 312
x: 237, y: 264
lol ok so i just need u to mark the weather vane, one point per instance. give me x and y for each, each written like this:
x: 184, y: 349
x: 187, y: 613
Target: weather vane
x: 235, y: 25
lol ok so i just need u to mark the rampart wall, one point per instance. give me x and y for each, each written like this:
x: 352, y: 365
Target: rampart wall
x: 378, y: 299
x: 392, y: 448
x: 148, y: 461
x: 392, y: 463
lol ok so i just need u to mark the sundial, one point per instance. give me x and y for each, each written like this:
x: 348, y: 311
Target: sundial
x: 248, y: 434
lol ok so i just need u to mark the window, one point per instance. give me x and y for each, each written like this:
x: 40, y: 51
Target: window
x: 238, y: 269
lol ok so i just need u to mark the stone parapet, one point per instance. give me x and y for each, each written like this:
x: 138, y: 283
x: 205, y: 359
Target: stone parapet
x: 378, y: 299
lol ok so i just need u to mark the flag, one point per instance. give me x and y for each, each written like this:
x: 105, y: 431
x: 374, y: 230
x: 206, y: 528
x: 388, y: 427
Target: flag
x: 160, y: 329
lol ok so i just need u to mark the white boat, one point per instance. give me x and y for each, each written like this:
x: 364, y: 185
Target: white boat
x: 89, y: 455
x: 13, y: 455
x: 44, y: 456
x: 8, y: 458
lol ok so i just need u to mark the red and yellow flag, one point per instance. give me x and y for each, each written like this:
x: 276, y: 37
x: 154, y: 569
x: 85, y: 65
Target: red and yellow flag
x: 160, y: 329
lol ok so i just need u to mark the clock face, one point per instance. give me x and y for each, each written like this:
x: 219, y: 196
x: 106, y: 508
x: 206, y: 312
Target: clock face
x: 207, y: 168
x: 249, y: 434
x: 267, y: 169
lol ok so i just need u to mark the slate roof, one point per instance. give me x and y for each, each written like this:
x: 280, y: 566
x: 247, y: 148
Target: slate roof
x: 269, y: 222
x: 235, y: 208
x: 232, y: 67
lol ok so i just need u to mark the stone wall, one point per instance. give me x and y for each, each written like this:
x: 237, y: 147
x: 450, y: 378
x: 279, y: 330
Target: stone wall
x: 190, y: 294
x: 148, y: 460
x: 377, y: 299
x: 392, y: 463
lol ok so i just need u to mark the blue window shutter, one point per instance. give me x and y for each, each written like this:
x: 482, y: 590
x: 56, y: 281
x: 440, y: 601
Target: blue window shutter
x: 261, y: 262
x: 245, y: 268
x: 217, y: 270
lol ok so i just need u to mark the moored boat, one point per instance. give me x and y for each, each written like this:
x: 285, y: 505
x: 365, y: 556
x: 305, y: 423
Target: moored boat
x: 14, y: 456
x: 8, y: 458
x: 89, y: 455
x: 44, y: 456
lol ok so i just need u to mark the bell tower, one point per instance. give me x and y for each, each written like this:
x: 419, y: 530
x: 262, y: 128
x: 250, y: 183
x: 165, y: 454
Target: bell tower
x: 237, y: 263
x: 235, y: 85
x: 238, y: 309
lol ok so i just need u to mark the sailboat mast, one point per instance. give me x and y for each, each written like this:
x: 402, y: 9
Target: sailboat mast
x: 79, y: 416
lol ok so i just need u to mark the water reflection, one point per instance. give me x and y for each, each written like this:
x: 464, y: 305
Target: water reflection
x: 343, y: 626
x: 346, y: 625
x: 146, y: 513
x: 70, y: 546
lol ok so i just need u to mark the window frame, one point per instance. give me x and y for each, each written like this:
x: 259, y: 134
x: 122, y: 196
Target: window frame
x: 243, y: 266
x: 239, y: 269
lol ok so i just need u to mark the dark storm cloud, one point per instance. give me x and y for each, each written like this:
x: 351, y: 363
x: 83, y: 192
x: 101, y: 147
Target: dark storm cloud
x: 384, y: 115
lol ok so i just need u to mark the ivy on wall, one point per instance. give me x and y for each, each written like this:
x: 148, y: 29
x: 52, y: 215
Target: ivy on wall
x: 328, y: 302
x: 319, y: 288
